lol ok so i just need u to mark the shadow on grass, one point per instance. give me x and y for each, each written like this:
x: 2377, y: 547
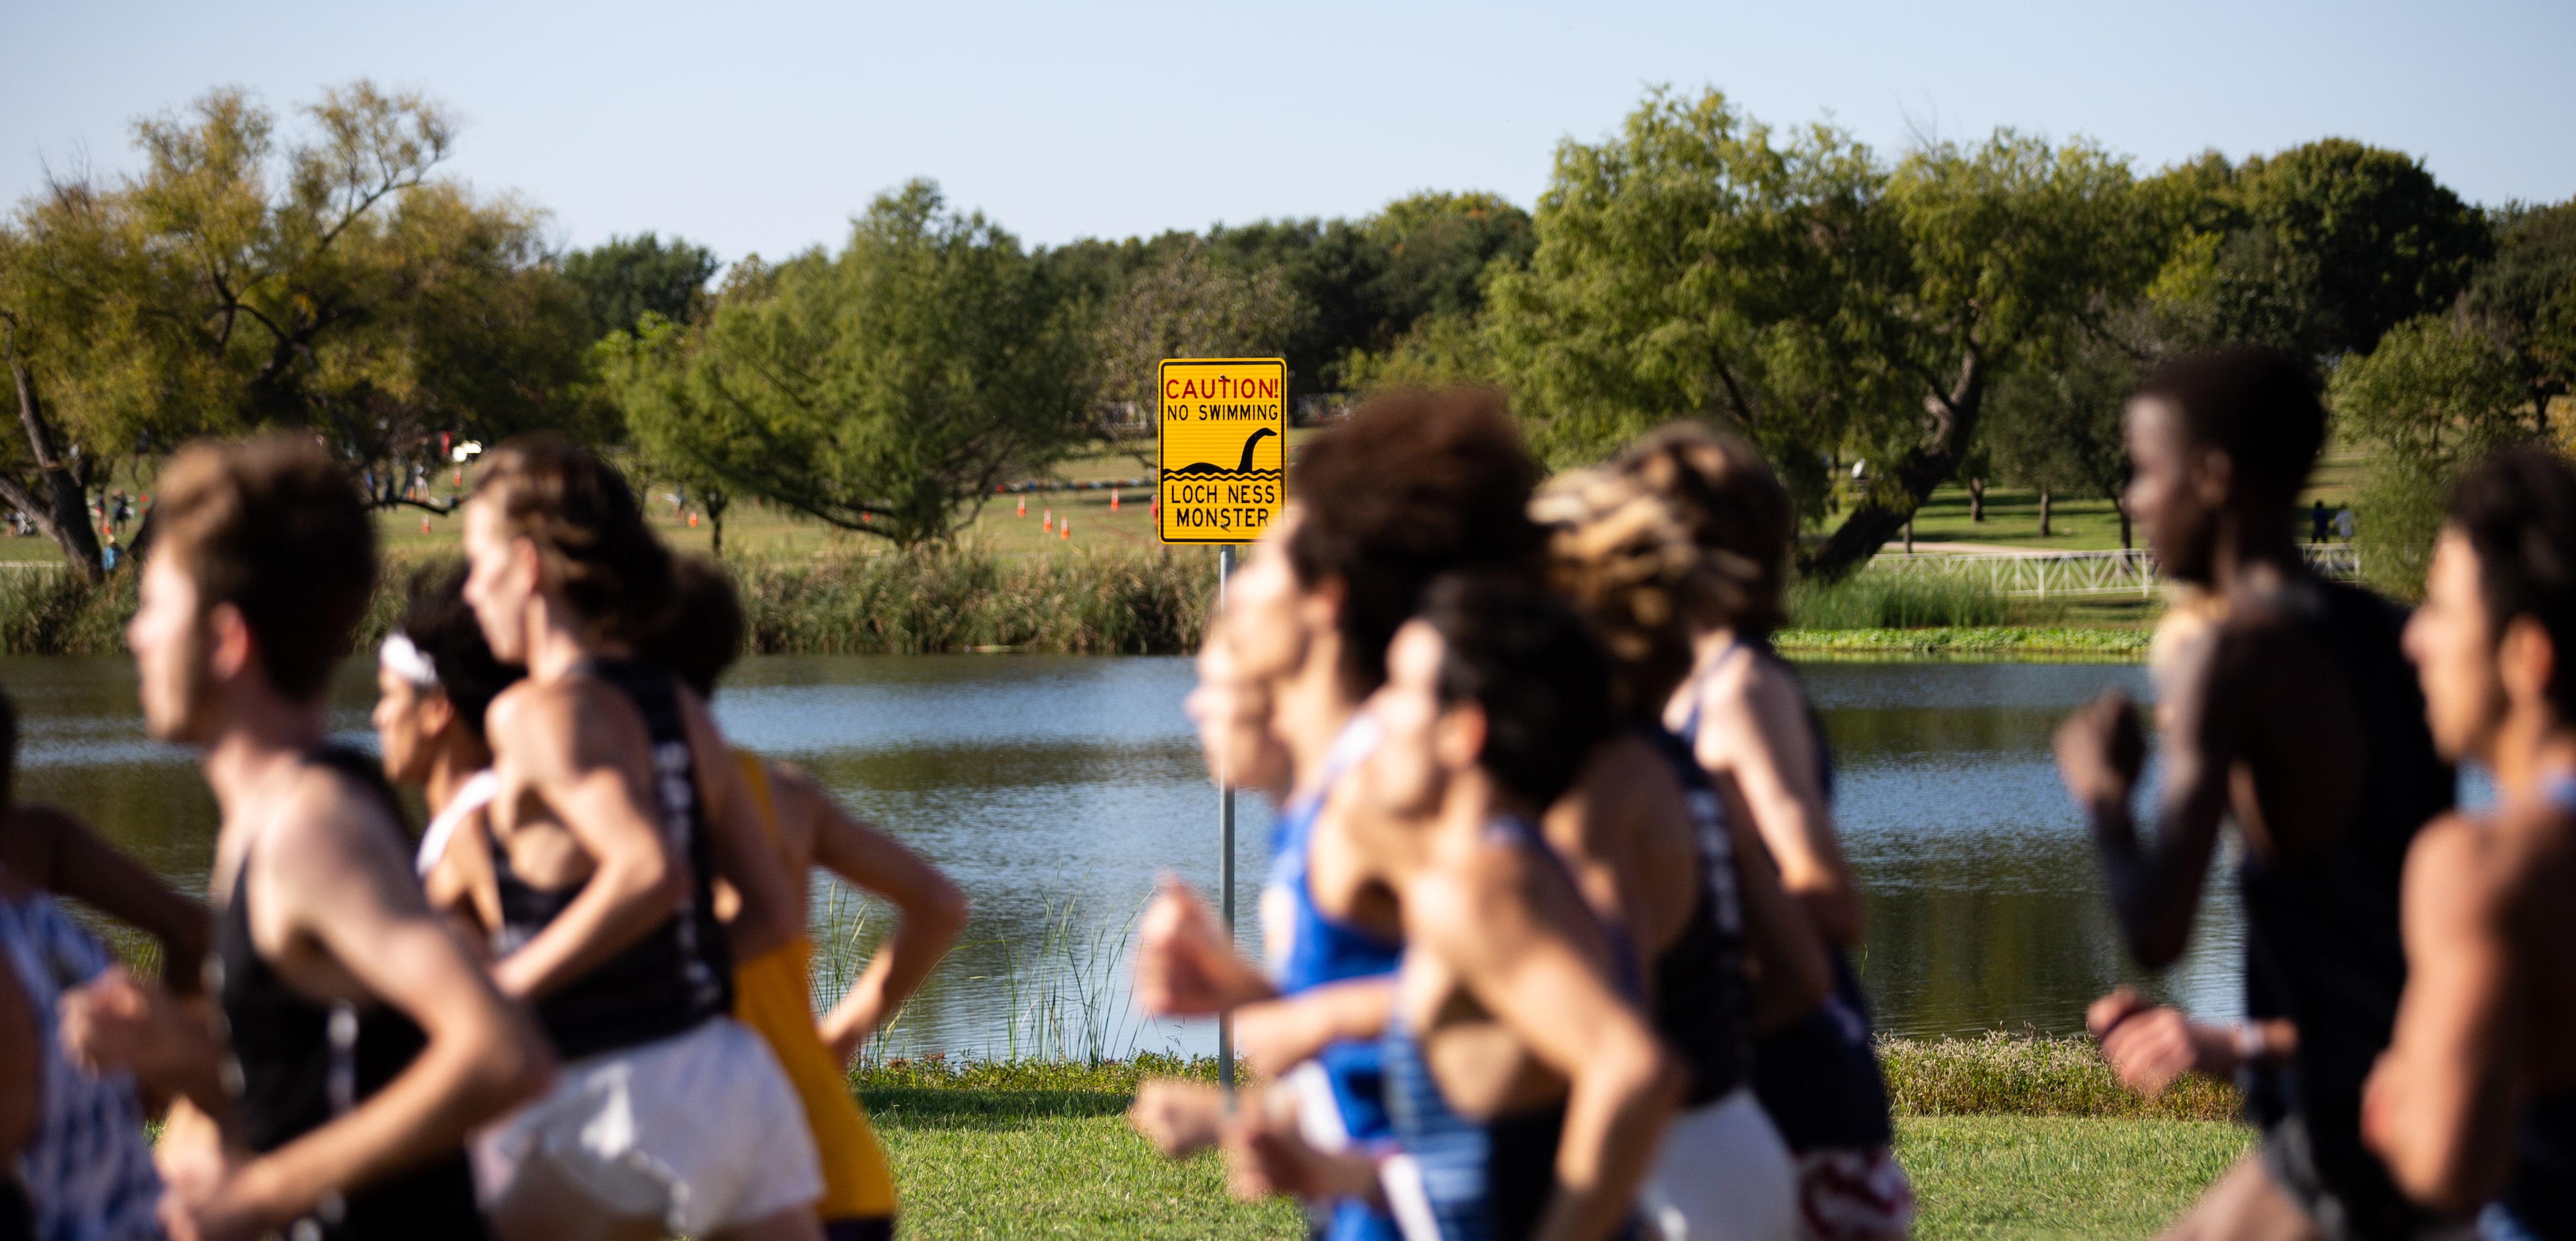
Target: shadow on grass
x: 917, y: 1107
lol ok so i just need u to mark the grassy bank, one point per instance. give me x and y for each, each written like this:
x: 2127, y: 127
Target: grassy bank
x: 1084, y: 601
x: 1983, y: 641
x: 2004, y: 1137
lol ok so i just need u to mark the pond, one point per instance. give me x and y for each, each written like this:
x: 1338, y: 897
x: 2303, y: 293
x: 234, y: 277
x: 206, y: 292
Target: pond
x: 1053, y: 789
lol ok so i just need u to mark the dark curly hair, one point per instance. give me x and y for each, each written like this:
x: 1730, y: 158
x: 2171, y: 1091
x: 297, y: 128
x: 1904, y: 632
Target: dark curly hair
x: 704, y: 634
x: 2259, y: 406
x: 1526, y: 659
x: 1414, y: 485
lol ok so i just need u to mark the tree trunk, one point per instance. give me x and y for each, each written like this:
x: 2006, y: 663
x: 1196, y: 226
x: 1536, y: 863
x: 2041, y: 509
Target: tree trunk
x: 1922, y: 468
x: 2121, y: 506
x: 1977, y: 500
x: 716, y: 504
x: 63, y: 510
x: 1909, y: 535
x: 2044, y: 531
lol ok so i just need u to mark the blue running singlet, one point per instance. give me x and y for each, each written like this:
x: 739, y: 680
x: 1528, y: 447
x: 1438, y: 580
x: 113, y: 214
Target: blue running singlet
x: 1480, y: 1180
x: 1308, y: 949
x: 1818, y: 1078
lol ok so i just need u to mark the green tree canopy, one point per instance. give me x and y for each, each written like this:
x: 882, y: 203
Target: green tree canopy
x: 1186, y: 305
x: 2526, y: 299
x: 627, y: 278
x: 2431, y: 399
x: 2389, y: 242
x: 244, y: 280
x: 886, y: 390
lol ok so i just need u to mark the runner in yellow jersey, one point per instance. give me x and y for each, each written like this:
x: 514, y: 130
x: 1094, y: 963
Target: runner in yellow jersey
x: 770, y: 990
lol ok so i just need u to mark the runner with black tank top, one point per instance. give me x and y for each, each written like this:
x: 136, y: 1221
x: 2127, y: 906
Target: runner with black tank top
x: 618, y: 807
x: 2476, y: 1095
x: 298, y: 1064
x: 359, y: 1042
x: 2288, y: 712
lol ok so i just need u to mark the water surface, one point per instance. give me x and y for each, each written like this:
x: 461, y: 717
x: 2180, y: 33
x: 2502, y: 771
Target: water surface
x: 1055, y: 788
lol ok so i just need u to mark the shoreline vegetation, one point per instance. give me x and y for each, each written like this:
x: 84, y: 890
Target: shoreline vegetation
x: 1095, y: 601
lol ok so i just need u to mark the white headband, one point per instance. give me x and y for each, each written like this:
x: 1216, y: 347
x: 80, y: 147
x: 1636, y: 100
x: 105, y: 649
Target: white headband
x: 399, y: 657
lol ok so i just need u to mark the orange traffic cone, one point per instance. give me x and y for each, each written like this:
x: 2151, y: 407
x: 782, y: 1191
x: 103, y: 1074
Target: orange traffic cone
x: 1065, y: 531
x: 1113, y: 499
x: 1047, y: 522
x: 693, y: 521
x: 424, y: 525
x: 1024, y: 507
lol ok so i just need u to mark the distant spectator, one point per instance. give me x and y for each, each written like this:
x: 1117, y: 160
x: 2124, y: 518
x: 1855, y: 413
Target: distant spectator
x: 2343, y: 523
x: 2317, y: 522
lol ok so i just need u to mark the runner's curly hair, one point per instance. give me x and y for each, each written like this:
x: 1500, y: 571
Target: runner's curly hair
x: 1687, y: 530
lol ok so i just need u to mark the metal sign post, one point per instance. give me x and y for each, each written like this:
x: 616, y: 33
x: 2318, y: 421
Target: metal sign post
x: 1225, y: 860
x: 1221, y: 473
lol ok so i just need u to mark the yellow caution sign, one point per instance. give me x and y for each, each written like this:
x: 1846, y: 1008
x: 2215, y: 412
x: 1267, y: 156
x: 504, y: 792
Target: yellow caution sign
x: 1224, y: 448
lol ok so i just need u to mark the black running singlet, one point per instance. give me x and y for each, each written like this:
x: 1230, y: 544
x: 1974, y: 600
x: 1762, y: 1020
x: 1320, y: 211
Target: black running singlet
x: 681, y: 973
x: 297, y: 1063
x: 2321, y: 935
x: 1701, y: 1004
x: 1818, y: 1077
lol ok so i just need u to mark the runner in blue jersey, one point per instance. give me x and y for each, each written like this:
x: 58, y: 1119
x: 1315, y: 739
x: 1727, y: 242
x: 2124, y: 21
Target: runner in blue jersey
x: 1524, y: 1083
x: 1410, y: 486
x: 2476, y: 1097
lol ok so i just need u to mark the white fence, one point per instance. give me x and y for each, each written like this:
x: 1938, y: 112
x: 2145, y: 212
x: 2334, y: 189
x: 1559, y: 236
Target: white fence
x: 2042, y: 574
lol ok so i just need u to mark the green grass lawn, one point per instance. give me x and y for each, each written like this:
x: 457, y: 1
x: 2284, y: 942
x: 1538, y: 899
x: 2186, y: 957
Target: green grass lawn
x: 1045, y: 1163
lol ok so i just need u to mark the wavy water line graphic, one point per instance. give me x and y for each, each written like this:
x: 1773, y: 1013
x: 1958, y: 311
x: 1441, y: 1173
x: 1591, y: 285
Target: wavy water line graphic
x: 1243, y: 470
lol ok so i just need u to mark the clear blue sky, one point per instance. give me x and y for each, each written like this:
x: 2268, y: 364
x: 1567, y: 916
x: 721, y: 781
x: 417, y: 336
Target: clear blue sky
x: 764, y: 126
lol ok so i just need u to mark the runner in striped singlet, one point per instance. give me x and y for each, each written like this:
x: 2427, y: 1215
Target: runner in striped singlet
x: 1746, y: 719
x: 1525, y: 1086
x: 359, y: 1041
x: 2477, y: 1094
x: 811, y: 831
x: 79, y: 1145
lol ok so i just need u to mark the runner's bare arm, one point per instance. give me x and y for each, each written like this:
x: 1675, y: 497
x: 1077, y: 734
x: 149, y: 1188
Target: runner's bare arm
x: 930, y: 911
x: 2439, y: 1105
x: 599, y: 788
x: 1787, y: 972
x: 1478, y: 917
x: 1754, y: 733
x: 738, y: 843
x: 117, y: 1021
x: 55, y: 850
x: 1276, y: 1035
x: 336, y: 884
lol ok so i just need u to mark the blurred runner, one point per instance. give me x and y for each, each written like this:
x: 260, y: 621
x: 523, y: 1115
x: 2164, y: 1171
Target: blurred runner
x: 359, y: 1042
x: 2478, y: 1090
x: 618, y: 806
x: 2293, y: 714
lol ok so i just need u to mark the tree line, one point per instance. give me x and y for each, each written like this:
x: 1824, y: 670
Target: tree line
x: 1964, y: 311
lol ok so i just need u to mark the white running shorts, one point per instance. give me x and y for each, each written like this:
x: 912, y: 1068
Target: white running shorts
x: 1722, y: 1174
x: 699, y: 1131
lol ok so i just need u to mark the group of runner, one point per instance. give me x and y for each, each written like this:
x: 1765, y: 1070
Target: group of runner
x: 1557, y: 924
x: 577, y: 1008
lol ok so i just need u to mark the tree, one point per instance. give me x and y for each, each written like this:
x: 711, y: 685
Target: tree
x: 630, y: 277
x: 886, y: 390
x: 2388, y: 241
x: 1439, y: 247
x: 2525, y: 300
x: 1186, y: 305
x: 239, y: 281
x: 2435, y: 396
x: 2003, y: 244
x: 2055, y: 420
x: 1692, y: 267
